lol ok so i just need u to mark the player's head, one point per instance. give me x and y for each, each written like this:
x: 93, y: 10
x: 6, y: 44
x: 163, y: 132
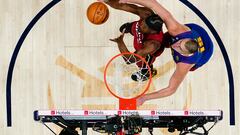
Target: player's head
x: 186, y: 46
x: 152, y: 24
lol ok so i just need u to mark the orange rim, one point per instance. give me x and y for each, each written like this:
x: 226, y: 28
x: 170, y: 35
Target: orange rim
x: 105, y: 75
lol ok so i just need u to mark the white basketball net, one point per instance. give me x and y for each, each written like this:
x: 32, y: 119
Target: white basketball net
x: 119, y: 76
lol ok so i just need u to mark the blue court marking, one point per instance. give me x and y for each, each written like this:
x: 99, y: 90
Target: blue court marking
x: 15, y: 54
x: 225, y: 56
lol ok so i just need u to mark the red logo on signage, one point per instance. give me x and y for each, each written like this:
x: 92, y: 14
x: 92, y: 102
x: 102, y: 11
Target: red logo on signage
x: 119, y: 112
x: 85, y: 112
x: 52, y: 112
x: 152, y: 112
x: 186, y: 113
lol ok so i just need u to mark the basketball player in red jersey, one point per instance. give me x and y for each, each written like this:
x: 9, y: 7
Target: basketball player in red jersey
x: 147, y: 34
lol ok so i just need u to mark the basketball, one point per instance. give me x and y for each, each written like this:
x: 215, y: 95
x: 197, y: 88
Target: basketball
x: 97, y: 13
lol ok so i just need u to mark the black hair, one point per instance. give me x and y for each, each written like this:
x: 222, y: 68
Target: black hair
x: 154, y: 22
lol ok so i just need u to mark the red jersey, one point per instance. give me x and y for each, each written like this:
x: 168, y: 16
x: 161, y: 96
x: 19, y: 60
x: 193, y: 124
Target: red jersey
x: 139, y: 38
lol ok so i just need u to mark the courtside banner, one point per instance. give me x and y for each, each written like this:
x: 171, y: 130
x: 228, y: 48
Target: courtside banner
x: 128, y: 112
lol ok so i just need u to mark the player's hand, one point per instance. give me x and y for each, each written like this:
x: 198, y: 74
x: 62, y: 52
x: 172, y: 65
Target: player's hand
x: 118, y: 39
x: 140, y: 100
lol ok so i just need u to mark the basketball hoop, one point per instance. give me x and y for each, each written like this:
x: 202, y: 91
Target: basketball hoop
x: 127, y: 76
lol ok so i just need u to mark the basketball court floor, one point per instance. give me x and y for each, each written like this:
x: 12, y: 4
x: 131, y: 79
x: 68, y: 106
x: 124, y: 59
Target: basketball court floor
x: 61, y: 63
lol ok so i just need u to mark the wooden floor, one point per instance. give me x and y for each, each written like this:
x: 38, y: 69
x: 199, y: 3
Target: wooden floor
x: 61, y: 62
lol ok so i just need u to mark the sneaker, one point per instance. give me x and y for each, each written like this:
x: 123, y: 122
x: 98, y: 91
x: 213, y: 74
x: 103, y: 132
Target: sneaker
x: 154, y: 72
x: 143, y: 75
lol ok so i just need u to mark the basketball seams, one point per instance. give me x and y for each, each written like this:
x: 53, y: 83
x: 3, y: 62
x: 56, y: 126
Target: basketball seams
x: 97, y: 13
x: 99, y: 4
x: 104, y: 11
x: 106, y: 15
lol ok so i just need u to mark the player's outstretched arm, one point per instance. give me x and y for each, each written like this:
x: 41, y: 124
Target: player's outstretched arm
x: 142, y: 12
x: 173, y: 26
x: 176, y: 79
